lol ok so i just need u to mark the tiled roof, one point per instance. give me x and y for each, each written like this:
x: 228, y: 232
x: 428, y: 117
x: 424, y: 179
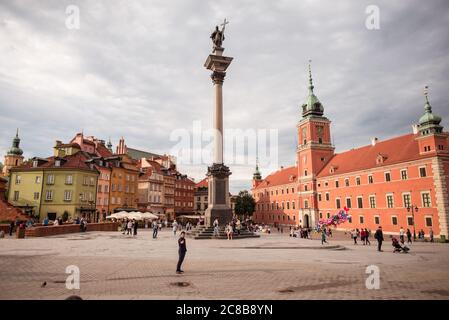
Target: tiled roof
x: 76, y: 161
x: 9, y: 213
x: 396, y: 150
x: 282, y: 176
x: 103, y: 151
x: 202, y: 184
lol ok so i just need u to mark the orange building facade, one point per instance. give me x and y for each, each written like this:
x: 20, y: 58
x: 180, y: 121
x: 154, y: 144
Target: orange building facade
x: 400, y: 182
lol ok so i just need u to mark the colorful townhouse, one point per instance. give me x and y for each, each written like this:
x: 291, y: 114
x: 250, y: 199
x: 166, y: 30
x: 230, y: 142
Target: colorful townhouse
x: 60, y: 186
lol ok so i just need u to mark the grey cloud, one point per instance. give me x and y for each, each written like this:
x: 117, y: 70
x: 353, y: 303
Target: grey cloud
x: 135, y: 69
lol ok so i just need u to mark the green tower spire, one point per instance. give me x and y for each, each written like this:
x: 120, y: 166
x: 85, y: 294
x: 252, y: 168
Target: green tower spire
x: 15, y: 148
x: 312, y: 106
x: 257, y: 175
x: 429, y: 123
x: 109, y: 145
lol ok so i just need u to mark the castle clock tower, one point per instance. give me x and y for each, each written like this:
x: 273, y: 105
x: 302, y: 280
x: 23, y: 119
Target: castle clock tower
x: 314, y: 150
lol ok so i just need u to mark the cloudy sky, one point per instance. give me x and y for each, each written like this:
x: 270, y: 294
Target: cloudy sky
x: 135, y: 69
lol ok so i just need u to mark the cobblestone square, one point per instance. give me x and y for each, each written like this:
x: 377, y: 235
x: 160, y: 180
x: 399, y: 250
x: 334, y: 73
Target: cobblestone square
x: 274, y: 266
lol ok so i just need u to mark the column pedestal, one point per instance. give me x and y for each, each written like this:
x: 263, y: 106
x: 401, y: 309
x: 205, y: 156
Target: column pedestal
x: 219, y: 206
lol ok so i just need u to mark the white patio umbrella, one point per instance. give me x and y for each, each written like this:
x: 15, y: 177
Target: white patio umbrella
x: 149, y: 215
x: 121, y: 214
x: 135, y: 215
x: 112, y: 216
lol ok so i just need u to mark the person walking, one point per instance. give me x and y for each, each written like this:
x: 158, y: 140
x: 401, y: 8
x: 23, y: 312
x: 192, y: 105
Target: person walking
x: 402, y: 235
x: 362, y: 236
x: 155, y: 229
x: 354, y: 235
x: 431, y: 235
x: 409, y: 236
x: 11, y: 228
x: 379, y: 236
x: 175, y: 228
x: 135, y: 226
x: 129, y: 227
x: 367, y: 235
x: 181, y: 252
x: 323, y: 236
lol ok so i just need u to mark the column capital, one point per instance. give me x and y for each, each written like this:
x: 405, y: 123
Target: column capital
x: 218, y: 77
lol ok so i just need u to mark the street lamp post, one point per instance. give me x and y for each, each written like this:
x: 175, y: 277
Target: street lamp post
x: 413, y: 209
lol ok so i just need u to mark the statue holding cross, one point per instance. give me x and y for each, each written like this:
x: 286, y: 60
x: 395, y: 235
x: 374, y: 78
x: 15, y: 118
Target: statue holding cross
x: 218, y: 35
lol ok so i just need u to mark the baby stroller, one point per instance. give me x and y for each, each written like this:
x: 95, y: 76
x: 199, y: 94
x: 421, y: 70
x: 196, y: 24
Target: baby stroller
x: 397, y: 246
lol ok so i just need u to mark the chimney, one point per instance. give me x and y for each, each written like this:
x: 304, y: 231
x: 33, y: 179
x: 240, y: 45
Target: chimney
x: 58, y: 142
x: 374, y: 141
x: 415, y: 128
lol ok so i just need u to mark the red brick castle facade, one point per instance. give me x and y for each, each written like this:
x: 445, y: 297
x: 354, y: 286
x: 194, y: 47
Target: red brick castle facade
x: 382, y: 183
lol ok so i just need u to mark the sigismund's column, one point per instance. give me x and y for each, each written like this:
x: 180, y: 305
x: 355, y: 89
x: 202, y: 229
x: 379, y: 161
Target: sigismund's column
x: 218, y: 174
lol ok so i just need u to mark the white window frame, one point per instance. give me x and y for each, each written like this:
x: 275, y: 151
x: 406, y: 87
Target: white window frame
x: 419, y: 171
x: 397, y: 220
x: 422, y: 199
x: 425, y: 221
x: 406, y: 174
x: 375, y: 202
x: 386, y: 200
x: 376, y: 216
x: 407, y: 218
x: 51, y: 179
x: 67, y: 195
x: 69, y: 179
x: 49, y: 195
x: 385, y: 176
x: 403, y: 200
x: 372, y: 179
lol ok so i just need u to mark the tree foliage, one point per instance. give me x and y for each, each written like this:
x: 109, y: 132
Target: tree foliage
x: 245, y: 203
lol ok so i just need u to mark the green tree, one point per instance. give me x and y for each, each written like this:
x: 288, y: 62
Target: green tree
x: 245, y: 204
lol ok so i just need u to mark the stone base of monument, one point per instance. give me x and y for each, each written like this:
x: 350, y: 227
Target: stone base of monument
x: 208, y: 233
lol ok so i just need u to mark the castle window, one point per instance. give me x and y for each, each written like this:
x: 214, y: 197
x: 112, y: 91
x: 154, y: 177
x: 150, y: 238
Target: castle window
x: 372, y: 202
x: 387, y: 176
x: 319, y: 196
x: 370, y: 179
x: 306, y: 204
x: 305, y: 187
x: 406, y: 200
x: 357, y: 181
x: 327, y: 196
x: 348, y: 202
x: 422, y: 172
x: 321, y: 215
x: 288, y: 205
x: 347, y: 182
x: 361, y: 219
x: 425, y: 199
x: 305, y: 172
x: 404, y: 174
x: 338, y: 203
x: 320, y: 140
x: 18, y: 179
x: 359, y: 202
x: 394, y: 220
x: 428, y: 221
x: 376, y: 220
x: 16, y: 195
x: 293, y: 204
x: 390, y: 203
x: 336, y: 184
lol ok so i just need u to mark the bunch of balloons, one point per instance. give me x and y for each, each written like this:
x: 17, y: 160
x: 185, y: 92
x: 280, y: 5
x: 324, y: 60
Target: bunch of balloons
x: 336, y: 219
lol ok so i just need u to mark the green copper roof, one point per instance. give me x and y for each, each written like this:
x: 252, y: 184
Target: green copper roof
x: 15, y: 149
x: 428, y: 117
x: 312, y: 106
